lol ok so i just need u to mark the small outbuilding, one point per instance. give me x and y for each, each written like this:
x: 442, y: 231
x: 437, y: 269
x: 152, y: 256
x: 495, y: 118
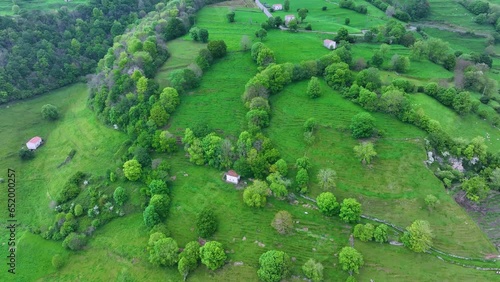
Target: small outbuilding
x: 232, y: 177
x: 330, y: 44
x: 277, y: 7
x: 288, y: 18
x: 34, y: 143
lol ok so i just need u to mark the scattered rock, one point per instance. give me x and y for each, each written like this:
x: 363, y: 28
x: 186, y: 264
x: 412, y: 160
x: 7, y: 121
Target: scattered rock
x: 305, y: 229
x: 244, y: 238
x: 238, y: 263
x: 115, y: 126
x: 294, y: 258
x: 306, y: 212
x: 173, y: 178
x: 185, y: 174
x: 86, y: 182
x: 314, y: 249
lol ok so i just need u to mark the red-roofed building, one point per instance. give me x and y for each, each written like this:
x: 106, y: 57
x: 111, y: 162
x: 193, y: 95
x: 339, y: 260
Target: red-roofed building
x: 34, y: 143
x: 232, y: 176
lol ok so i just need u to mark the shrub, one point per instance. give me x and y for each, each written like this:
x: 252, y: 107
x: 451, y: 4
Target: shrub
x: 50, y: 112
x: 57, y: 261
x: 75, y: 241
x: 218, y: 48
x: 78, y: 210
x: 26, y: 154
x: 119, y: 196
x: 327, y: 204
x: 362, y: 125
x: 282, y: 222
x: 206, y: 223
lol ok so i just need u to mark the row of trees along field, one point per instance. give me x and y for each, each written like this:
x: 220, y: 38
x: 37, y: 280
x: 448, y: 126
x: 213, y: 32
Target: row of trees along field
x: 44, y: 50
x: 123, y: 93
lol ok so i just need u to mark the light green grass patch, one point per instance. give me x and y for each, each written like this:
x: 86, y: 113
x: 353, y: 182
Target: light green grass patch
x: 467, y: 127
x: 392, y: 187
x: 217, y: 101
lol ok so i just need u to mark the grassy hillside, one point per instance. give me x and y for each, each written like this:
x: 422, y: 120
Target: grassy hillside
x: 393, y: 187
x: 39, y: 180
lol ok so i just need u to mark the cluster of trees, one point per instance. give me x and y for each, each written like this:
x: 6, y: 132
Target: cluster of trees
x: 275, y: 266
x: 159, y: 203
x: 262, y: 54
x: 393, y: 32
x: 78, y: 216
x: 461, y: 101
x: 199, y: 34
x: 485, y: 13
x: 123, y: 91
x: 251, y: 156
x: 349, y: 4
x: 403, y: 10
x: 164, y: 252
x: 349, y: 210
x: 368, y: 232
x: 44, y: 50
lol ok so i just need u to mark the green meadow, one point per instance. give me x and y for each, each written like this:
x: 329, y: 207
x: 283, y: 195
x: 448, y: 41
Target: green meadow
x: 392, y: 187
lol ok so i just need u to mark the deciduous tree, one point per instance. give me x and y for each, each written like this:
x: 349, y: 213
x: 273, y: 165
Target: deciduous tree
x: 132, y: 170
x: 274, y: 266
x: 327, y: 204
x: 282, y: 222
x: 418, y: 236
x: 362, y: 125
x: 313, y: 270
x: 255, y: 195
x: 351, y: 260
x: 350, y: 210
x: 212, y: 255
x: 164, y: 252
x: 313, y: 88
x: 365, y: 152
x: 326, y: 178
x: 206, y: 223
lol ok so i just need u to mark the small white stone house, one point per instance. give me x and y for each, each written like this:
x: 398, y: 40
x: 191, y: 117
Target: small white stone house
x: 288, y: 18
x: 277, y: 7
x: 34, y: 143
x: 330, y: 44
x: 232, y: 177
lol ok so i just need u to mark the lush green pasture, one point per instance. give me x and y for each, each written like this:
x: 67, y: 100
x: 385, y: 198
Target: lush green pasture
x: 182, y: 50
x: 6, y: 5
x: 393, y: 187
x: 467, y: 127
x: 458, y: 42
x: 422, y: 71
x: 247, y: 21
x: 334, y: 17
x: 98, y: 148
x: 118, y: 249
x: 217, y: 101
x: 446, y: 11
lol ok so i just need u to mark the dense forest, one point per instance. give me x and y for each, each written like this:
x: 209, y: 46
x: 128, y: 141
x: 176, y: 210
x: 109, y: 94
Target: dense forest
x: 41, y: 51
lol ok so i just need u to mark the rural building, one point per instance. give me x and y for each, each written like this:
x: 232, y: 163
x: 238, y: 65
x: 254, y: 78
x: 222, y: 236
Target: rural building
x: 232, y: 176
x: 277, y: 7
x: 34, y: 143
x: 288, y: 18
x: 330, y: 44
